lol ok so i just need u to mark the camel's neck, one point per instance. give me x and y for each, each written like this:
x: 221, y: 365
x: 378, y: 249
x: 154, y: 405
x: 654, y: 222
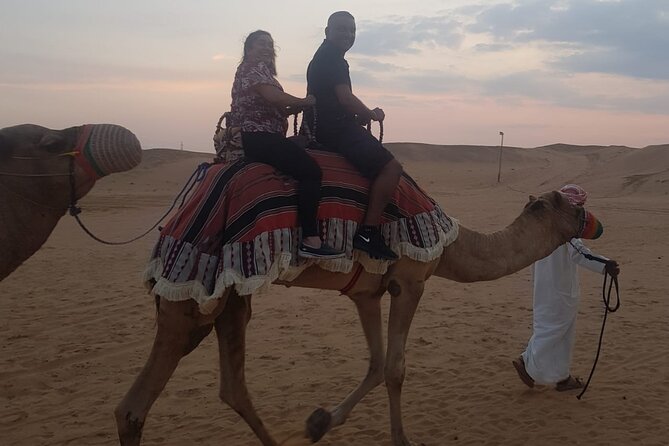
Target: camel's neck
x: 24, y: 225
x: 476, y: 257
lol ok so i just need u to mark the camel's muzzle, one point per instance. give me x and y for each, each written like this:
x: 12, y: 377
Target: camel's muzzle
x: 591, y: 228
x: 107, y: 148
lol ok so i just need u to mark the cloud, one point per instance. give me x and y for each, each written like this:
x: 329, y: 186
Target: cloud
x: 406, y: 35
x: 626, y: 37
x: 376, y: 65
x: 434, y: 81
x: 362, y: 78
x: 573, y: 92
x: 492, y: 47
x: 551, y: 88
x: 23, y: 69
x: 552, y: 51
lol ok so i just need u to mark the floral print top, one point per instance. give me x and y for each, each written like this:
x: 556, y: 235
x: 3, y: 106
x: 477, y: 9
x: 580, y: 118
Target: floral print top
x: 248, y: 109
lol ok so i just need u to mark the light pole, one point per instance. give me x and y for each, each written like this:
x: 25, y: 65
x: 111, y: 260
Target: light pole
x: 501, y: 144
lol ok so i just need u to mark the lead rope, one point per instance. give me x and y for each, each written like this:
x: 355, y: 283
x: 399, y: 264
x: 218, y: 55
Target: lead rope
x: 195, y: 177
x: 606, y: 297
x: 309, y: 132
x: 369, y: 129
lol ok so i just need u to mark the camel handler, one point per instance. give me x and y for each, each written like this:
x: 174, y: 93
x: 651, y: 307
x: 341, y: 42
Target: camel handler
x: 547, y: 358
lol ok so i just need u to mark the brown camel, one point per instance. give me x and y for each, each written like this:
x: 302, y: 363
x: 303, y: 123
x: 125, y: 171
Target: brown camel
x: 40, y: 169
x: 546, y: 223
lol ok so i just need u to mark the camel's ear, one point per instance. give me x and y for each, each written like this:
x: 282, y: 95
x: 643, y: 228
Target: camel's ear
x: 532, y: 199
x: 53, y: 141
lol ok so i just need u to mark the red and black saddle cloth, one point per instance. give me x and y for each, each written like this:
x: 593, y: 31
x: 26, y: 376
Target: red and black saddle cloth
x: 239, y: 228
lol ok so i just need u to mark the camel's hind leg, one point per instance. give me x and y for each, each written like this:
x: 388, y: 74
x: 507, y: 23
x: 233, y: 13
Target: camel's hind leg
x: 369, y: 311
x: 231, y: 332
x: 177, y: 335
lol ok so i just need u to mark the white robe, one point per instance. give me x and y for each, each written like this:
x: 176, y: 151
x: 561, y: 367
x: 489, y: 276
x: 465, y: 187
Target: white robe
x: 556, y: 297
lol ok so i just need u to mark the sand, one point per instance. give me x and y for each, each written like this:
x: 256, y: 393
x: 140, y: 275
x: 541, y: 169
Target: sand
x: 76, y: 324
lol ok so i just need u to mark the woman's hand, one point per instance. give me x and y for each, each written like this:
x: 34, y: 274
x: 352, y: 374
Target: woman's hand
x: 309, y: 101
x: 283, y: 100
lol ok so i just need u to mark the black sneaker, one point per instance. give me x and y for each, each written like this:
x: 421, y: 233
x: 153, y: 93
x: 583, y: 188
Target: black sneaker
x: 324, y: 252
x: 370, y: 240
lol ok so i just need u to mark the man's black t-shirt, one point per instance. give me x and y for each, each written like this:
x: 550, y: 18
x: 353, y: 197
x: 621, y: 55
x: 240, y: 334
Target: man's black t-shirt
x: 326, y: 70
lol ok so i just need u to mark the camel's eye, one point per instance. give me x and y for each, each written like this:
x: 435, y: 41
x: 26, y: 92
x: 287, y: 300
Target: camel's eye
x: 537, y: 205
x: 557, y: 197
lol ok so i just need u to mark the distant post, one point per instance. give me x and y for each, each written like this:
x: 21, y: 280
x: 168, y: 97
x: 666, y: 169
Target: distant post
x: 501, y: 144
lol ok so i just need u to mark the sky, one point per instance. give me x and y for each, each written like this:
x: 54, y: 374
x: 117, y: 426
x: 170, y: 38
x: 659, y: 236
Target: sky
x: 445, y: 72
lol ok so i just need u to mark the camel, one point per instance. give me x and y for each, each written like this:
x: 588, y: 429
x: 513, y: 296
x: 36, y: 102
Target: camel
x: 42, y: 171
x: 545, y: 223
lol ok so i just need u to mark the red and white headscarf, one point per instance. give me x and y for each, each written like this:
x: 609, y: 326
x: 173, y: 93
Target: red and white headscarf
x: 574, y: 194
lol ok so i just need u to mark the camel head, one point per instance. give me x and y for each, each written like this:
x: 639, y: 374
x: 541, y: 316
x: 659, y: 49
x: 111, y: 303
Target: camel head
x: 30, y: 151
x: 568, y: 220
x: 546, y: 222
x: 39, y: 171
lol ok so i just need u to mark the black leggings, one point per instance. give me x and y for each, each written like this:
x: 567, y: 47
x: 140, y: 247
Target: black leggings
x: 283, y: 154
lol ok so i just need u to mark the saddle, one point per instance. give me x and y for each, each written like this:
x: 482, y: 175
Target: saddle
x: 239, y: 227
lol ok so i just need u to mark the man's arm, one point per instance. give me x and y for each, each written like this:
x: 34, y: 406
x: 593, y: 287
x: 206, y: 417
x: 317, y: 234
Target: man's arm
x: 583, y: 256
x: 354, y: 105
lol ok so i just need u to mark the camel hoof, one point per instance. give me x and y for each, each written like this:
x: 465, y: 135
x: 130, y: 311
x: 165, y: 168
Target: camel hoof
x: 129, y: 429
x: 318, y: 424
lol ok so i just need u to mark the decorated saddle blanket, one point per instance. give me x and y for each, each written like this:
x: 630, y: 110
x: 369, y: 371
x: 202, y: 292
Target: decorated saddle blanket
x: 239, y: 227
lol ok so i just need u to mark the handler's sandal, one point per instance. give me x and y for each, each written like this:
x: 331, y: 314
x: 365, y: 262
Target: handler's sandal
x: 324, y: 252
x: 519, y: 365
x: 370, y: 240
x: 569, y: 383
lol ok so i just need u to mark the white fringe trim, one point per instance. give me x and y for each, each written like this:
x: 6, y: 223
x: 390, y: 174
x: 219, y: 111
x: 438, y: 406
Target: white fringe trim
x: 281, y: 269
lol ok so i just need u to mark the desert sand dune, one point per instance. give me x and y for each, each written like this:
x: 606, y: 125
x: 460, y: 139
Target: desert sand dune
x: 76, y: 323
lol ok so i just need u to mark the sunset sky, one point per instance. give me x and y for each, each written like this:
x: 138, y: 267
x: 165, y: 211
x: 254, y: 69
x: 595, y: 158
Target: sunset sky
x: 445, y: 72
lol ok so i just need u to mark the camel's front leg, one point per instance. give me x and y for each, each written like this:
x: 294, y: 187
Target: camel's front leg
x: 405, y: 297
x: 369, y: 310
x: 177, y: 335
x: 231, y: 332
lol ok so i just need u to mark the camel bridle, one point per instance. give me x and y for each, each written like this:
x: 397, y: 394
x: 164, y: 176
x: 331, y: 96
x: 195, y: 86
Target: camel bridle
x: 582, y: 221
x: 582, y: 217
x: 75, y: 155
x: 77, y: 158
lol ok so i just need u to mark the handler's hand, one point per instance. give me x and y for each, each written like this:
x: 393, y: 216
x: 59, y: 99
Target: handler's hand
x: 612, y: 268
